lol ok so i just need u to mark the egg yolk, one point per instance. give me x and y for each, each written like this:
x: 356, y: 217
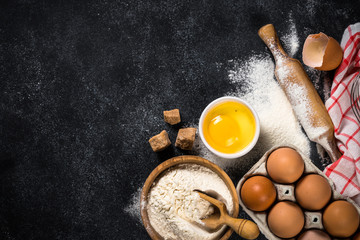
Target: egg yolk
x: 229, y: 127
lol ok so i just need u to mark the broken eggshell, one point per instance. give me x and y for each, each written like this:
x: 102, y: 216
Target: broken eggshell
x: 322, y: 52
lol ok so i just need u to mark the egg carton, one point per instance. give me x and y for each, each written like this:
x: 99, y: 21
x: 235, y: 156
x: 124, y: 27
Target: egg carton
x: 313, y: 219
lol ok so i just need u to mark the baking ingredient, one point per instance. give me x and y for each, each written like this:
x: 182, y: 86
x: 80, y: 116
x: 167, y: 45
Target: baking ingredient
x: 160, y: 141
x: 173, y: 205
x: 341, y: 219
x: 285, y: 165
x: 306, y: 103
x: 185, y: 138
x: 229, y: 127
x: 133, y: 208
x: 286, y: 219
x: 313, y: 192
x: 314, y: 234
x: 258, y: 193
x: 322, y: 52
x: 172, y: 116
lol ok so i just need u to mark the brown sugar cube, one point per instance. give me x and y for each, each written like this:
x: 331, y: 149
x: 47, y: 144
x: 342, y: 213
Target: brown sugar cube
x: 160, y: 142
x: 172, y: 116
x: 185, y: 138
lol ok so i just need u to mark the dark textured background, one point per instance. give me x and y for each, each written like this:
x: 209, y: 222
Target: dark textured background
x: 83, y: 86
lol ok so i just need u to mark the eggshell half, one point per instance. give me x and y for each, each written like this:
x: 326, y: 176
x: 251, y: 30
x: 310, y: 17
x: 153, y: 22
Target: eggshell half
x: 322, y: 52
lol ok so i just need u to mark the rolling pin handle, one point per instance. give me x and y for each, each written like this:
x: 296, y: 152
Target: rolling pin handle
x: 268, y: 34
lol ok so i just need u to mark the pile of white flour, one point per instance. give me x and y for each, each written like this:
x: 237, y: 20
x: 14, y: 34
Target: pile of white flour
x: 175, y: 210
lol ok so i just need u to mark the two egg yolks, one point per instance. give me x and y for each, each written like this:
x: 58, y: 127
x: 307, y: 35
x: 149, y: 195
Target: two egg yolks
x: 229, y: 127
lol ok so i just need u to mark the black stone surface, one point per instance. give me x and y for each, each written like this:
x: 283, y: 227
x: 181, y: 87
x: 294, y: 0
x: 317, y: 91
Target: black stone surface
x: 83, y: 86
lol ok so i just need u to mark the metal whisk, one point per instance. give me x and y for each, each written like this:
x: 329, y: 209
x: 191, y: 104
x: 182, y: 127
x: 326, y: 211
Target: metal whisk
x: 355, y: 97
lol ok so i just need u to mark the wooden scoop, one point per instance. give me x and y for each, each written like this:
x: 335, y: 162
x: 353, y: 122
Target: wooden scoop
x: 307, y: 105
x: 245, y: 228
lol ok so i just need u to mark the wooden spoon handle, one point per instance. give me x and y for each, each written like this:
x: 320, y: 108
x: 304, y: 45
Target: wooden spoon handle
x: 245, y: 228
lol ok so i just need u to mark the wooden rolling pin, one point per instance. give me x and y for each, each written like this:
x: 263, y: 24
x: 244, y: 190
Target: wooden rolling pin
x: 305, y: 100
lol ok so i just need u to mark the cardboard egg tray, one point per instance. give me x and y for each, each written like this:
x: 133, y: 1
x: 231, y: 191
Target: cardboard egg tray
x: 313, y: 219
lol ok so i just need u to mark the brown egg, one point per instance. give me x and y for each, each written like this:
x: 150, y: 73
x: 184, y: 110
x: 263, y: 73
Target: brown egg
x: 322, y: 52
x: 314, y: 234
x: 285, y: 165
x: 341, y: 219
x: 286, y: 219
x: 258, y: 193
x: 313, y: 192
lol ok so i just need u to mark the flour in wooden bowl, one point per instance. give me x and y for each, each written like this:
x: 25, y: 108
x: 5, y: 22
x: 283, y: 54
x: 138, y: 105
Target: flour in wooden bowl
x: 175, y: 210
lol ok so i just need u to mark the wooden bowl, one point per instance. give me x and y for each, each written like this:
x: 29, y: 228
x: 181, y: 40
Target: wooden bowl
x: 182, y: 160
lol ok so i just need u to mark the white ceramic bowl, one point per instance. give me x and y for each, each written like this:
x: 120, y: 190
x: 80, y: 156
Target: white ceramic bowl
x: 243, y: 151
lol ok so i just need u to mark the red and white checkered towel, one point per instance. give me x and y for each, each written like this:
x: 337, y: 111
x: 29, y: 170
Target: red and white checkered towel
x: 345, y: 172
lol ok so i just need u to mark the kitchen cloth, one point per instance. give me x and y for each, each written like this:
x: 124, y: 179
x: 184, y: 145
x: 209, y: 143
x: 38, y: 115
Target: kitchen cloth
x: 343, y: 108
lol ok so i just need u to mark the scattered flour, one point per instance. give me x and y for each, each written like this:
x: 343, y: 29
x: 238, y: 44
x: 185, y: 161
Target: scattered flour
x: 279, y: 124
x: 327, y: 86
x: 291, y: 39
x: 311, y: 7
x: 133, y: 208
x: 314, y: 75
x: 175, y: 210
